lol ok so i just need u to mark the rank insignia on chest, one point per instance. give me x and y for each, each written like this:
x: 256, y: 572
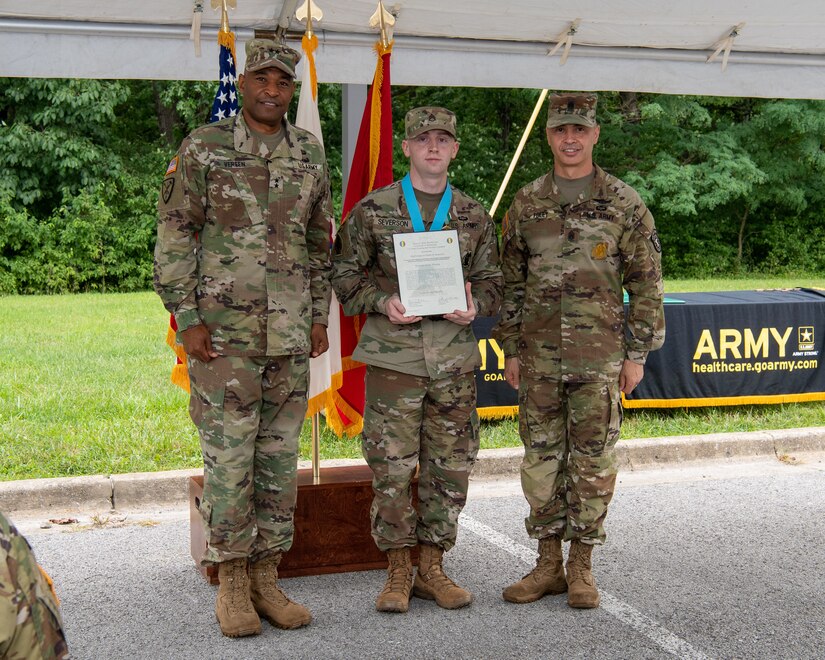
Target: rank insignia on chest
x: 599, y: 251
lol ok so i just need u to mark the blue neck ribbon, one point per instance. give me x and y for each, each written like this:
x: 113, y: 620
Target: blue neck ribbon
x: 441, y: 212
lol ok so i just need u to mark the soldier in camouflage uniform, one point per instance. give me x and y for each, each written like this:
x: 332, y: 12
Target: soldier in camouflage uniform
x: 420, y: 383
x: 242, y: 261
x: 30, y: 621
x: 571, y: 240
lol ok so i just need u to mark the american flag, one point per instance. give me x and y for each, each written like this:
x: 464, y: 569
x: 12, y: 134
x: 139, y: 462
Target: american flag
x: 226, y: 98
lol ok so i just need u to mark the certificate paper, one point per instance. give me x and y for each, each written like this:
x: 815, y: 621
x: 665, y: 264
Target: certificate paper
x: 430, y: 278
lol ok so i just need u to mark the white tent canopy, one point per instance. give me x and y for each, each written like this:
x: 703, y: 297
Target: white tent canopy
x: 778, y: 49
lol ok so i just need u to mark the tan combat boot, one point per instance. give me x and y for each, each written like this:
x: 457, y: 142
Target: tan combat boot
x: 396, y: 594
x: 431, y: 582
x: 268, y: 599
x: 581, y: 587
x: 233, y: 608
x: 546, y: 578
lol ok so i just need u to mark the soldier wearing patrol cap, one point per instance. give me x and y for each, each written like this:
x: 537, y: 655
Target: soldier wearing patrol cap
x: 242, y: 261
x: 420, y: 384
x: 571, y: 241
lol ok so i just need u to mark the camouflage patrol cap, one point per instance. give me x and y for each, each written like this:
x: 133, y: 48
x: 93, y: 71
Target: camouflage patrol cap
x: 265, y: 53
x: 429, y: 118
x: 572, y: 109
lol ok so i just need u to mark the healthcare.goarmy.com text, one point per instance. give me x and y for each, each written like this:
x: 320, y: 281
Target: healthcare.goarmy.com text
x: 758, y: 367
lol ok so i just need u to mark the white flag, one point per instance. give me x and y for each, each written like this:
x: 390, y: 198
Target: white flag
x: 325, y: 370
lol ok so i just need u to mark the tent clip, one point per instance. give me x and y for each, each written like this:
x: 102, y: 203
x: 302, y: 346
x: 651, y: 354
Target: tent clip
x: 195, y: 32
x: 725, y: 44
x: 565, y: 37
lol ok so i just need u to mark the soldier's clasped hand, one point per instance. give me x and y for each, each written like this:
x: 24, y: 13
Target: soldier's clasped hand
x: 198, y: 343
x: 395, y: 312
x: 464, y: 318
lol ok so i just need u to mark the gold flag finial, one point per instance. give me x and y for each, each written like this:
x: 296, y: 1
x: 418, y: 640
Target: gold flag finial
x: 383, y: 20
x: 224, y: 6
x: 309, y: 12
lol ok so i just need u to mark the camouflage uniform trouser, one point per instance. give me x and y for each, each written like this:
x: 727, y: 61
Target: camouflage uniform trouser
x: 249, y: 412
x: 568, y: 474
x: 432, y: 423
x: 30, y: 622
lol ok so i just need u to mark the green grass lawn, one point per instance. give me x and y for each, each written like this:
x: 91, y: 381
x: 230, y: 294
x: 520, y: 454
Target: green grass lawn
x: 84, y: 389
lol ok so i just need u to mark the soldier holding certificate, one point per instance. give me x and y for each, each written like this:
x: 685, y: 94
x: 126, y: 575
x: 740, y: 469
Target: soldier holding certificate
x: 420, y: 383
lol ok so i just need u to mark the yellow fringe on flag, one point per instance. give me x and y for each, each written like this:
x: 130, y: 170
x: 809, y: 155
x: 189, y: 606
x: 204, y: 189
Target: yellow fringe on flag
x: 227, y: 39
x: 310, y: 45
x: 172, y: 342
x: 334, y: 421
x: 324, y: 401
x: 50, y: 582
x: 723, y: 400
x: 179, y: 376
x: 375, y: 109
x: 497, y: 412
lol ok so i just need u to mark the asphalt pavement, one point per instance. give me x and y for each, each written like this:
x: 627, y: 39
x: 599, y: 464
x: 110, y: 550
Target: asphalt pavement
x: 716, y: 556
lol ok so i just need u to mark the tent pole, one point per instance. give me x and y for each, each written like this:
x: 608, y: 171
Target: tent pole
x: 519, y: 149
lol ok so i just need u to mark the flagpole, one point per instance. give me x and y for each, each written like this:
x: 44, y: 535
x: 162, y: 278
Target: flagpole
x: 519, y: 149
x: 306, y: 13
x: 316, y: 418
x: 316, y: 448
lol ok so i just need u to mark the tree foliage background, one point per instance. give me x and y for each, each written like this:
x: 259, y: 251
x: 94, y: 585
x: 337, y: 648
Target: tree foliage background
x: 735, y: 185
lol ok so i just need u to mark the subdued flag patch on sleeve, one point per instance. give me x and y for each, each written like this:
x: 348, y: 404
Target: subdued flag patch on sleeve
x: 173, y: 166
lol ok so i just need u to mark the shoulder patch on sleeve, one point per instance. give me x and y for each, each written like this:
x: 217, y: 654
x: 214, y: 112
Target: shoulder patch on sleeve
x: 173, y: 166
x: 173, y: 197
x: 643, y: 223
x: 167, y: 188
x: 657, y: 244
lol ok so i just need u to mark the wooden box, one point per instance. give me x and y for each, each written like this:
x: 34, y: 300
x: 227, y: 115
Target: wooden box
x: 332, y: 524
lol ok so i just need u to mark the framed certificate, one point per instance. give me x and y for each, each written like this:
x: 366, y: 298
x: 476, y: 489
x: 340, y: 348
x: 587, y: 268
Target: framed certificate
x: 430, y: 277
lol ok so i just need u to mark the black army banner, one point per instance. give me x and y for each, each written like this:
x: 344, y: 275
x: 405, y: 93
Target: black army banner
x: 725, y: 348
x: 496, y: 398
x: 737, y: 347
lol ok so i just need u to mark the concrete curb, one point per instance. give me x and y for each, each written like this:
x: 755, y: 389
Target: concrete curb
x: 170, y: 489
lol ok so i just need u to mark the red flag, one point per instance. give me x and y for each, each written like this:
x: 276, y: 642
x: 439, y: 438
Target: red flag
x: 371, y: 169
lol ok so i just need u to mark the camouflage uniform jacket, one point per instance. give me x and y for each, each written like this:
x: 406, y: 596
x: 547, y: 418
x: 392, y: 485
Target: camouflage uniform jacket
x: 30, y: 621
x: 243, y: 238
x: 564, y: 268
x: 365, y: 277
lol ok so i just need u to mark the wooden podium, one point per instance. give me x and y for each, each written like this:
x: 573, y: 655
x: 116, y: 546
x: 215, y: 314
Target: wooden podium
x: 332, y: 524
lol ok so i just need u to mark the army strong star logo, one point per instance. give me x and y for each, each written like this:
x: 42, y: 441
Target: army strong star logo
x: 166, y: 190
